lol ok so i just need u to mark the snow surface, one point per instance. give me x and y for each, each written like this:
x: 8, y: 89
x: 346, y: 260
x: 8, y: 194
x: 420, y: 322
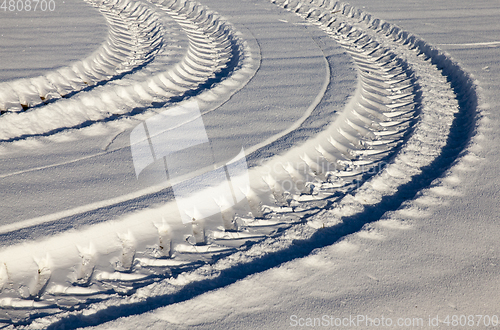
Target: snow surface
x: 430, y: 251
x: 34, y: 42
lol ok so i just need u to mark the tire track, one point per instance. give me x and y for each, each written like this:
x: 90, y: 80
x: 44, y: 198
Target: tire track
x: 213, y: 54
x: 135, y: 36
x: 396, y: 134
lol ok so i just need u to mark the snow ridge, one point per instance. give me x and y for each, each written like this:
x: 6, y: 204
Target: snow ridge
x: 213, y: 54
x: 135, y: 37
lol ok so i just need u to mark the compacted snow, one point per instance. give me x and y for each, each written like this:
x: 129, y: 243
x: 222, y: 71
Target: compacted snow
x: 366, y: 194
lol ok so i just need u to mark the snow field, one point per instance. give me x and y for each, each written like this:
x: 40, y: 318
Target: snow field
x: 393, y: 129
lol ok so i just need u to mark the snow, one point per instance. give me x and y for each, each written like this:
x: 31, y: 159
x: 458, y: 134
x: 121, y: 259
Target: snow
x: 35, y: 42
x: 415, y: 239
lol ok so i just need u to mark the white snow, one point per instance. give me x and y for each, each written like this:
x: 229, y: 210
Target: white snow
x: 344, y: 232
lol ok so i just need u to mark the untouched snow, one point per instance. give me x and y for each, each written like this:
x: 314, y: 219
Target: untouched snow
x: 34, y: 42
x: 422, y: 253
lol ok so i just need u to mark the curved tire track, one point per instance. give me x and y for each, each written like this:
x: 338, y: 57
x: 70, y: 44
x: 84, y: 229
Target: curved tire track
x: 395, y: 136
x: 214, y: 53
x: 135, y: 37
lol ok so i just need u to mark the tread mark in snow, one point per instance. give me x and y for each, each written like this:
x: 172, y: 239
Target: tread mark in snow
x: 395, y: 135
